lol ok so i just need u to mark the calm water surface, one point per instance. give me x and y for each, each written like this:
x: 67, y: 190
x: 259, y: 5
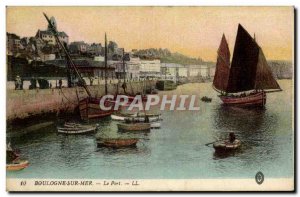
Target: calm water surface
x: 177, y: 150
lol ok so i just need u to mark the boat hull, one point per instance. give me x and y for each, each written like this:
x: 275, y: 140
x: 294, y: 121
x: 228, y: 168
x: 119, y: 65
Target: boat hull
x: 117, y: 143
x: 134, y: 126
x: 81, y: 130
x: 226, y: 146
x: 89, y: 108
x: 17, y: 166
x: 256, y: 99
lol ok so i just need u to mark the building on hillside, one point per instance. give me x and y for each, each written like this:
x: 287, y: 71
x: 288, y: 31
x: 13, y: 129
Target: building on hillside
x: 150, y: 68
x: 130, y: 70
x: 173, y: 69
x: 13, y: 43
x: 198, y: 71
x: 78, y: 47
x: 47, y: 53
x: 96, y: 49
x: 48, y: 37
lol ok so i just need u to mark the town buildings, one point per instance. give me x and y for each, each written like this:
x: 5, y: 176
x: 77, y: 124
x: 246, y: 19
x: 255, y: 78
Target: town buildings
x: 13, y: 43
x: 78, y: 47
x: 48, y: 37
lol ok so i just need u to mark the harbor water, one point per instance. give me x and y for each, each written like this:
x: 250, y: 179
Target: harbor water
x: 177, y: 150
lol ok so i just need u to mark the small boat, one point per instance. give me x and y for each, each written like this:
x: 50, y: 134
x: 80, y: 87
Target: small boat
x: 121, y: 116
x: 17, y: 165
x: 148, y: 114
x: 142, y: 119
x: 117, y: 142
x: 155, y: 125
x: 134, y: 126
x: 226, y: 145
x: 77, y: 130
x: 206, y: 99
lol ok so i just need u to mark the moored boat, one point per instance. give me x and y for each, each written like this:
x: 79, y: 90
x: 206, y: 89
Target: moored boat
x: 155, y: 125
x: 17, y: 165
x: 226, y: 145
x: 134, y: 126
x: 142, y: 119
x: 89, y: 108
x: 121, y: 117
x: 117, y: 142
x: 77, y: 130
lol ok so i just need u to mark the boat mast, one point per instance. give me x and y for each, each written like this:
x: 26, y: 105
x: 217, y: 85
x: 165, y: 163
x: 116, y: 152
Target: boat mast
x: 124, y: 71
x: 105, y: 63
x: 69, y: 60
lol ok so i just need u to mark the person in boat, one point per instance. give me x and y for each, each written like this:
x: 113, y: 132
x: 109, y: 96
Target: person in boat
x: 231, y: 137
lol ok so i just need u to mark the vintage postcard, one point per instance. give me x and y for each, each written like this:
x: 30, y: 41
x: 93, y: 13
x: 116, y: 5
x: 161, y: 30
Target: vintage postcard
x: 150, y: 98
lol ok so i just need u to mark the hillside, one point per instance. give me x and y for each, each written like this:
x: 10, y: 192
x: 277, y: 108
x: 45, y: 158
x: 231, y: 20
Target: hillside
x: 166, y: 56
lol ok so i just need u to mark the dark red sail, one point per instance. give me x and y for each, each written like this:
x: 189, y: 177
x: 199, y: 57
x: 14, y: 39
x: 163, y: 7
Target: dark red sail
x: 264, y: 76
x: 223, y: 66
x: 244, y: 63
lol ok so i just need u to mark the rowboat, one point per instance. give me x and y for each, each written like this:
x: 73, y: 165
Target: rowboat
x: 77, y: 130
x: 142, y: 119
x: 117, y: 142
x: 148, y: 114
x: 155, y: 125
x: 17, y: 165
x: 134, y: 126
x: 121, y: 117
x: 226, y: 145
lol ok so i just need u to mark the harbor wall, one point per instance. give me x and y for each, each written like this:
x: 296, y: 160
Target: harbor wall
x: 22, y: 104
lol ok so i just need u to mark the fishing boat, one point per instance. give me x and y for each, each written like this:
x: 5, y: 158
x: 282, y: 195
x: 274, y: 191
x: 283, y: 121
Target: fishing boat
x: 246, y: 81
x: 76, y: 129
x: 17, y: 165
x: 134, y: 126
x: 155, y: 125
x: 226, y: 145
x: 89, y: 106
x: 117, y: 142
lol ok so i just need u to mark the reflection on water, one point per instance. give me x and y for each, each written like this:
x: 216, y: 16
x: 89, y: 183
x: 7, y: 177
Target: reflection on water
x: 254, y: 127
x: 177, y: 150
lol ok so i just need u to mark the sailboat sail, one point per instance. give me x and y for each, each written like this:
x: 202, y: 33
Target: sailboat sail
x: 264, y: 77
x: 244, y: 62
x: 223, y: 66
x: 249, y: 68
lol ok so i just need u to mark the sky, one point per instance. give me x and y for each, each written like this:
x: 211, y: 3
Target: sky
x: 192, y: 31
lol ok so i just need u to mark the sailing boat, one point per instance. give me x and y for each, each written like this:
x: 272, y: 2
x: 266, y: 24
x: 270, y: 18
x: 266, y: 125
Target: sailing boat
x: 89, y: 106
x: 249, y: 75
